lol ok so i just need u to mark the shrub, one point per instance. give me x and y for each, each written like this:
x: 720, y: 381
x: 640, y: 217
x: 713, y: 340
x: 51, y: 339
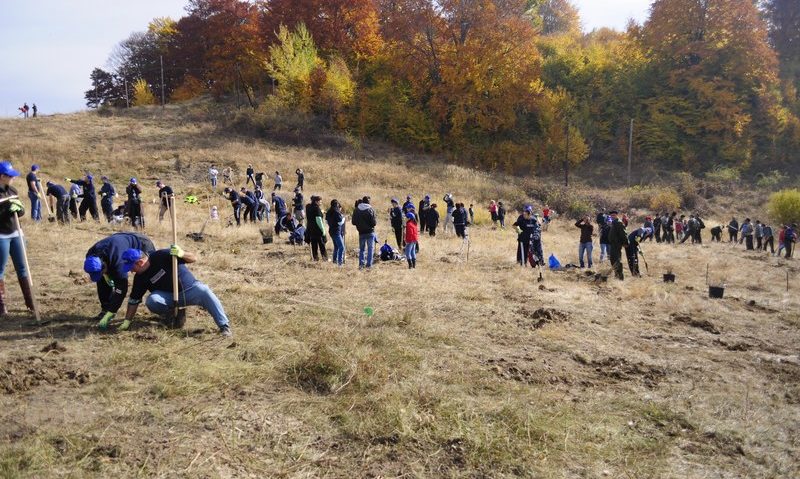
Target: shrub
x: 688, y: 190
x: 771, y: 179
x: 323, y: 372
x: 784, y: 206
x: 578, y: 207
x: 724, y: 174
x: 665, y: 200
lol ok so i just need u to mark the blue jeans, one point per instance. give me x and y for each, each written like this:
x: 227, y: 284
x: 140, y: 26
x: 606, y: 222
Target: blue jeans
x: 36, y: 206
x: 411, y: 251
x: 160, y: 302
x: 587, y: 247
x: 604, y: 250
x: 366, y: 241
x: 12, y: 246
x: 338, y: 248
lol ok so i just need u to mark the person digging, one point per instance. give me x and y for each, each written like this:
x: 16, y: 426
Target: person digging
x: 154, y: 273
x: 105, y: 266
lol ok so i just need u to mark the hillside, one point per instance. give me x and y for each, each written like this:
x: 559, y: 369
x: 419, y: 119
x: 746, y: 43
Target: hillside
x: 468, y: 367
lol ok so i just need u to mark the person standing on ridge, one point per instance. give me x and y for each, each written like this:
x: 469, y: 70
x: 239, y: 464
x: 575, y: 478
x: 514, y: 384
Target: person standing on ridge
x: 34, y: 192
x: 107, y: 194
x: 11, y: 239
x: 213, y: 173
x: 89, y: 202
x: 278, y: 181
x: 301, y: 178
x: 250, y: 172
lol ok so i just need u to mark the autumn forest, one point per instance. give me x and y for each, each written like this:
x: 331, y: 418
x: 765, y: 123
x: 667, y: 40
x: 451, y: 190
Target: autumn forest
x: 514, y: 85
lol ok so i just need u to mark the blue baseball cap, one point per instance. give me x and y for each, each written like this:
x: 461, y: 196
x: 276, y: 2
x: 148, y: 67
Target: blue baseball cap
x: 133, y: 180
x: 528, y: 208
x: 7, y: 169
x: 129, y: 258
x: 34, y: 167
x: 94, y: 266
x: 394, y: 200
x: 411, y: 216
x: 89, y: 177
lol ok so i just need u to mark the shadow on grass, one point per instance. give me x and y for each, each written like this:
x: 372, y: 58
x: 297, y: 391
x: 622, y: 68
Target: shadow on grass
x: 20, y: 326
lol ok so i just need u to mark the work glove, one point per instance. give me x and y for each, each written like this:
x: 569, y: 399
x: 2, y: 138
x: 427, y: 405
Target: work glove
x: 16, y: 206
x: 105, y: 320
x: 67, y: 180
x: 176, y: 250
x: 109, y: 281
x: 124, y: 326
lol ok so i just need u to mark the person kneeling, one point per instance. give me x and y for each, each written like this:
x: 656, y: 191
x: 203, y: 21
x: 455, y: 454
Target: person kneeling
x: 154, y: 274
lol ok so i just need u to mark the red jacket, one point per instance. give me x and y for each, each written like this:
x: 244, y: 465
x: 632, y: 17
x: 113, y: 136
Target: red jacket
x: 412, y: 232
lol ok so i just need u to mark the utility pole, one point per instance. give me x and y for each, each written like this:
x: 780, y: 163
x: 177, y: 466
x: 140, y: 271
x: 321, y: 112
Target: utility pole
x: 566, y: 160
x: 161, y: 57
x: 127, y: 99
x: 630, y: 152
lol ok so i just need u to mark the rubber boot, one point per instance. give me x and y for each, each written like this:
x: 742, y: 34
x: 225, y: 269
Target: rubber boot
x: 3, y: 310
x: 414, y: 263
x: 409, y: 263
x: 25, y: 285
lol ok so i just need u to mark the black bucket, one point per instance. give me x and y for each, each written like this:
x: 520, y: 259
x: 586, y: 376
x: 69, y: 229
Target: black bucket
x: 716, y: 292
x: 669, y: 278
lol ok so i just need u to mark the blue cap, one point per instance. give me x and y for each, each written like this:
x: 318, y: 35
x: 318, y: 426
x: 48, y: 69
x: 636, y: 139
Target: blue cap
x: 129, y: 258
x: 411, y: 216
x: 34, y: 167
x: 394, y: 200
x: 427, y: 197
x: 133, y: 180
x: 89, y: 177
x: 528, y: 208
x: 94, y: 266
x: 408, y: 197
x: 7, y: 169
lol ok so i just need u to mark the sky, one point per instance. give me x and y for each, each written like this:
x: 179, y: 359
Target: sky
x: 48, y: 48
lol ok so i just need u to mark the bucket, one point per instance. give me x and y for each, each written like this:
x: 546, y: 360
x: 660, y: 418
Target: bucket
x: 716, y: 291
x: 266, y: 235
x: 669, y: 278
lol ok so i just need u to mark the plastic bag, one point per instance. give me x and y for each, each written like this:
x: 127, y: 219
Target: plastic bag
x: 554, y: 263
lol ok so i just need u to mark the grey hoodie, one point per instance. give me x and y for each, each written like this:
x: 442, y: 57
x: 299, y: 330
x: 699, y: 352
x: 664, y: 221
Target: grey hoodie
x: 364, y: 219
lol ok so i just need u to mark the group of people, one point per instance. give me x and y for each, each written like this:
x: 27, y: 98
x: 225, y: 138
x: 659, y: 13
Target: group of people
x: 27, y: 111
x: 759, y: 236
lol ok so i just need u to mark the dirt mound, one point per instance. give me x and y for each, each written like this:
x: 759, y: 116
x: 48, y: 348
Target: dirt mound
x: 513, y: 371
x: 55, y: 346
x: 621, y: 369
x: 23, y: 374
x: 703, y: 324
x: 538, y: 318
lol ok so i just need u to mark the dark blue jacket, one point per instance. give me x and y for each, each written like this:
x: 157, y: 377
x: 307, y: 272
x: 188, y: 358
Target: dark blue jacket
x: 107, y: 191
x: 88, y: 189
x: 280, y: 206
x: 110, y: 250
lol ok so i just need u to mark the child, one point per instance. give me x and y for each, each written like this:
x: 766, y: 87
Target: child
x: 471, y: 215
x: 412, y: 236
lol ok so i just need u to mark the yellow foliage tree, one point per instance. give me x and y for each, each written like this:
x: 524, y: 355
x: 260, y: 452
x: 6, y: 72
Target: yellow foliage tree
x: 142, y: 95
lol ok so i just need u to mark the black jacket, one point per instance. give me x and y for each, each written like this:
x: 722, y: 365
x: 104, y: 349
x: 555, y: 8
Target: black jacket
x: 7, y: 225
x: 364, y: 219
x: 617, y: 236
x: 586, y: 231
x: 396, y: 216
x: 432, y: 218
x: 312, y: 212
x: 333, y: 218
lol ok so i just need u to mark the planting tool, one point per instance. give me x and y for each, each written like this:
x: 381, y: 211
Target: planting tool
x: 646, y: 266
x: 173, y: 215
x: 43, y: 199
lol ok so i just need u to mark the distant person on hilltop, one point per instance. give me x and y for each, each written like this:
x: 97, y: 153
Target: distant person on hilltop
x: 107, y: 194
x: 278, y: 181
x: 301, y: 178
x: 89, y: 201
x: 35, y: 110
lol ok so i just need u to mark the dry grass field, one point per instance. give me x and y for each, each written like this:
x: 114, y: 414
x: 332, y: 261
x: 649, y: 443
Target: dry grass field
x: 467, y: 368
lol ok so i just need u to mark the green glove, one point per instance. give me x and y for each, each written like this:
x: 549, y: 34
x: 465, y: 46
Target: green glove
x: 16, y: 206
x: 108, y: 280
x: 105, y: 320
x: 176, y: 250
x: 124, y: 326
x: 67, y: 179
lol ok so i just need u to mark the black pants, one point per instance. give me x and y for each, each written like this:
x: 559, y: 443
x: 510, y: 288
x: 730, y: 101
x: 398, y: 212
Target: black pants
x: 62, y: 209
x: 788, y: 245
x: 698, y: 237
x: 688, y: 235
x: 771, y: 243
x: 107, y: 205
x: 423, y: 225
x: 318, y: 248
x: 733, y: 236
x: 111, y: 298
x: 748, y: 241
x: 135, y: 213
x: 759, y: 243
x: 716, y: 236
x: 460, y: 230
x: 73, y: 207
x: 249, y: 214
x: 237, y: 214
x: 669, y: 236
x: 657, y: 233
x: 91, y: 205
x: 432, y: 229
x: 249, y: 179
x: 615, y: 256
x: 632, y: 251
x: 398, y: 235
